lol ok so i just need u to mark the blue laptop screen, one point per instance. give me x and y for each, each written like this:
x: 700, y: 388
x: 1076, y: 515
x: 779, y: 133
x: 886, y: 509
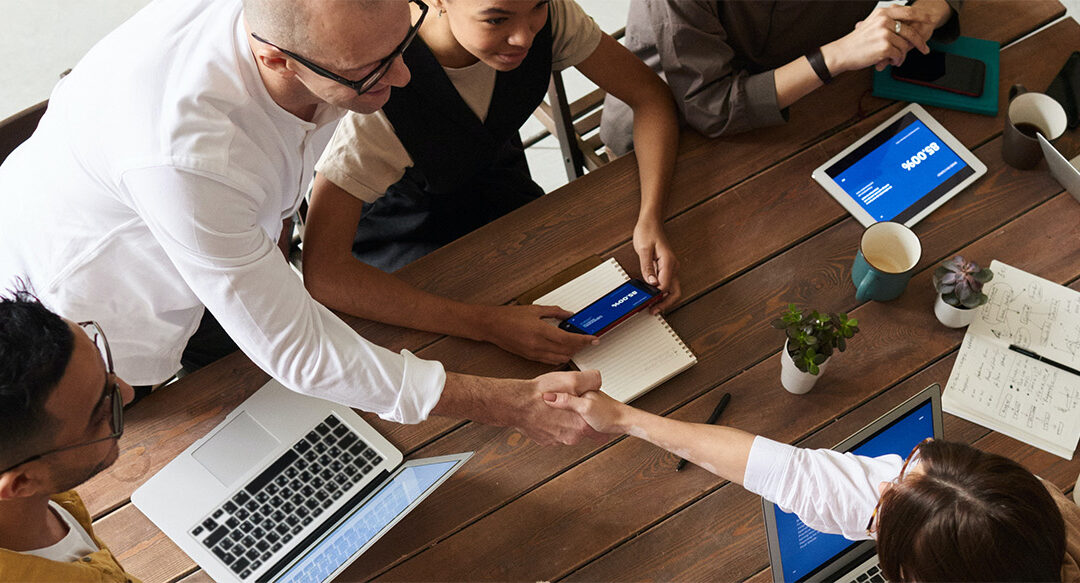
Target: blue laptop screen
x: 338, y: 547
x: 900, y: 171
x: 802, y: 549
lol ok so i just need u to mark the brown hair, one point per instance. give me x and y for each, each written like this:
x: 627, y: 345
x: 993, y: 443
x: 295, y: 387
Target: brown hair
x: 968, y: 515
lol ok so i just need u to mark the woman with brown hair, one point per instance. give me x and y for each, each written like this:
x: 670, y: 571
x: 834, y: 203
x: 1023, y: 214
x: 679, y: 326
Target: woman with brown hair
x: 949, y: 512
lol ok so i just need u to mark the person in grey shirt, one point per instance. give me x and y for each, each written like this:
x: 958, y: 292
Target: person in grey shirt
x: 736, y: 65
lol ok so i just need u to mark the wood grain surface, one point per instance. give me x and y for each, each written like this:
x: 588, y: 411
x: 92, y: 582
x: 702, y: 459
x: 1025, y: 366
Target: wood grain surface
x: 753, y: 233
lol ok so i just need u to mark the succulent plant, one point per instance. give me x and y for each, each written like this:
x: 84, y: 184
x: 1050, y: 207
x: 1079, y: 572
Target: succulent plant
x: 960, y: 282
x: 813, y: 336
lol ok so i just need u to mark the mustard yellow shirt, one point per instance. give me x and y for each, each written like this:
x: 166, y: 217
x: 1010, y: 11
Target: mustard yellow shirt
x: 100, y: 566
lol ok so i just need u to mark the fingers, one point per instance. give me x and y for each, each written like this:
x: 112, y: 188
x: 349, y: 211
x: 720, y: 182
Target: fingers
x: 551, y: 312
x: 647, y: 258
x: 904, y: 13
x: 673, y: 295
x: 912, y: 35
x: 564, y: 401
x: 669, y: 282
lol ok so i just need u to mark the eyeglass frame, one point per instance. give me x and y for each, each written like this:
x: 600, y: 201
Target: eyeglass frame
x: 116, y: 420
x: 871, y: 529
x: 368, y: 82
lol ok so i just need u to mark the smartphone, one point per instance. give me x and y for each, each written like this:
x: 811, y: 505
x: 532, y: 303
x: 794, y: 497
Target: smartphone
x: 613, y: 308
x: 944, y: 71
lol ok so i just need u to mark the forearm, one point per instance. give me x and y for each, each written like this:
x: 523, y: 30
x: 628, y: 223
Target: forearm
x: 795, y: 80
x: 480, y: 399
x: 719, y: 449
x: 355, y: 288
x: 656, y: 139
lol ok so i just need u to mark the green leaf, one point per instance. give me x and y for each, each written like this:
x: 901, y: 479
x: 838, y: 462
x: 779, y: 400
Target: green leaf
x: 984, y: 276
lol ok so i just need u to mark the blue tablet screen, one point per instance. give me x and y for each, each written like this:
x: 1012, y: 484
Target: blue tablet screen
x: 900, y: 171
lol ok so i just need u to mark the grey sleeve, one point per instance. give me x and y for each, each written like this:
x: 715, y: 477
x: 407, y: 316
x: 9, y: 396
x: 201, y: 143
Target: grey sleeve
x: 685, y: 43
x: 696, y: 60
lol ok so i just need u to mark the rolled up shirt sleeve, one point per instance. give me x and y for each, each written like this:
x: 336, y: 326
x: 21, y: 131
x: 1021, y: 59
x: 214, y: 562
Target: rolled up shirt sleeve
x: 830, y: 491
x: 209, y: 229
x: 697, y: 63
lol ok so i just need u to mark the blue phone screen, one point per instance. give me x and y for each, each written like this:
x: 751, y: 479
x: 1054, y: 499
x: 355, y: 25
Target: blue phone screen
x: 610, y: 308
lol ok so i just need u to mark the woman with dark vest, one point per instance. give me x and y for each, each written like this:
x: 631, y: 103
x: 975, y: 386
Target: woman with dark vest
x: 443, y: 157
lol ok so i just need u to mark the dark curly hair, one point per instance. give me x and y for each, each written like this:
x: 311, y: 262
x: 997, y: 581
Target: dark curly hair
x: 969, y: 516
x: 35, y: 348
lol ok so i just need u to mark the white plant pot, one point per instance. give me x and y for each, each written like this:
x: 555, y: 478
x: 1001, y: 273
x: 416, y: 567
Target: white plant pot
x: 952, y: 316
x: 794, y: 380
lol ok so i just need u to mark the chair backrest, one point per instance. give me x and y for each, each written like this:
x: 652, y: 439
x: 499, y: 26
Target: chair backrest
x: 17, y: 128
x: 575, y: 124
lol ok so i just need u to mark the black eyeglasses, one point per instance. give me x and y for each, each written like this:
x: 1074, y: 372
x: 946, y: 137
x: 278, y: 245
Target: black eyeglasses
x: 368, y: 82
x: 116, y: 421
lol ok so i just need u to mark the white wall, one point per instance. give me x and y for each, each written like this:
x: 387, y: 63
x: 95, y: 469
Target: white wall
x: 39, y: 39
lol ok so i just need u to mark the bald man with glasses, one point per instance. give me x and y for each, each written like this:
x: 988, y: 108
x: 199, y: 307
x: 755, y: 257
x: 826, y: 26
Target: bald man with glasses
x: 61, y: 413
x: 156, y: 194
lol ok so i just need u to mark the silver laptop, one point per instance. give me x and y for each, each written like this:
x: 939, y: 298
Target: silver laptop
x: 1063, y: 170
x: 800, y: 553
x: 287, y: 488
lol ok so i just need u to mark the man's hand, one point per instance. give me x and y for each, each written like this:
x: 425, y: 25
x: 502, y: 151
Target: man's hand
x: 659, y: 266
x: 600, y: 411
x: 519, y: 329
x: 876, y: 42
x: 520, y: 404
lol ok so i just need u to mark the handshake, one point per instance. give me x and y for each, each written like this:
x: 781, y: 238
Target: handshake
x: 571, y: 408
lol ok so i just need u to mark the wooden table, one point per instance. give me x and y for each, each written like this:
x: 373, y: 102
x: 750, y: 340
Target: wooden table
x: 753, y: 233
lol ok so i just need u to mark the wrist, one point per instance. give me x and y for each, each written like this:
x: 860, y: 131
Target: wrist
x: 479, y: 322
x: 833, y: 57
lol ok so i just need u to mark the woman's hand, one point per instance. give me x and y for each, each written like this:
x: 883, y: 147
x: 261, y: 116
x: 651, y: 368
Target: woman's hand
x: 659, y: 266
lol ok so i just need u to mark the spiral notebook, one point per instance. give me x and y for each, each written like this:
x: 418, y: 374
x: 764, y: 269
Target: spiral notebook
x: 637, y: 355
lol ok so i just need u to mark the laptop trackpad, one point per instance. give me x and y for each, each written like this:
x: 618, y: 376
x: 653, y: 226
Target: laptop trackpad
x: 234, y: 450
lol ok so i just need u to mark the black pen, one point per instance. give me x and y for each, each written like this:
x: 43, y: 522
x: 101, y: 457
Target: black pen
x: 1052, y: 363
x: 712, y: 419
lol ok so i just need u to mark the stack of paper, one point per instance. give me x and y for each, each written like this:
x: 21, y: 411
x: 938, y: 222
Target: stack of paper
x: 1034, y: 395
x: 636, y: 355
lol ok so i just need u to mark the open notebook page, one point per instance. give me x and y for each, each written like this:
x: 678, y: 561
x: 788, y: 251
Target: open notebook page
x: 635, y: 356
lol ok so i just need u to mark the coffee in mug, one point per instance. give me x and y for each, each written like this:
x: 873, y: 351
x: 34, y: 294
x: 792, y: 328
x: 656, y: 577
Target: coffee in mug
x: 1029, y: 114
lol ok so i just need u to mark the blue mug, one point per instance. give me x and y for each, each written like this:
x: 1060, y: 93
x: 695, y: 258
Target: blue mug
x: 886, y: 260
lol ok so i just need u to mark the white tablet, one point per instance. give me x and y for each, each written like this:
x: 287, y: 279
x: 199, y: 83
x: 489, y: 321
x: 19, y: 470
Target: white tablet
x: 905, y: 168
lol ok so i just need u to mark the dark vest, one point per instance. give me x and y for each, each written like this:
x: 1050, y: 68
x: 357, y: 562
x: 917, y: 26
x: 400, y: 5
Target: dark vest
x: 449, y: 145
x: 465, y: 172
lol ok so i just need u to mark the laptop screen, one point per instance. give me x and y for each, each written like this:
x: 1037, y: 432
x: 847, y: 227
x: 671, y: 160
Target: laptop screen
x: 369, y: 521
x: 805, y: 550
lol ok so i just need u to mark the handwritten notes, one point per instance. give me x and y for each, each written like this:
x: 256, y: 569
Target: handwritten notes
x: 1012, y: 393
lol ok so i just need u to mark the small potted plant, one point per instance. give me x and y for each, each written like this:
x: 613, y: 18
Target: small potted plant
x: 959, y: 285
x: 811, y: 339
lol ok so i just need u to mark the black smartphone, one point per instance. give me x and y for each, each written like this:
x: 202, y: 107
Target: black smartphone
x: 1065, y: 88
x: 613, y: 308
x: 944, y: 71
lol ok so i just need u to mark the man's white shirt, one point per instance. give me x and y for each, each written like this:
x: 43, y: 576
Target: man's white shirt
x: 157, y: 183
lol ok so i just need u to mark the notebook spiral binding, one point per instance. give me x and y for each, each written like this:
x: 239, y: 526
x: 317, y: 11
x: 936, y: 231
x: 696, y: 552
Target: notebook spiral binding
x: 685, y: 348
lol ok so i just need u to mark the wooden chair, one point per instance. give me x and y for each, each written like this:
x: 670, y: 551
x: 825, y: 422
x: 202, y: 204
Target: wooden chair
x: 17, y: 128
x: 576, y: 125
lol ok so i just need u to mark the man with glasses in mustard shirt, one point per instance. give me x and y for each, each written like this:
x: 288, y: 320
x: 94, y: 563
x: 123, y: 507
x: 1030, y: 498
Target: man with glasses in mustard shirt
x: 61, y: 413
x: 157, y: 193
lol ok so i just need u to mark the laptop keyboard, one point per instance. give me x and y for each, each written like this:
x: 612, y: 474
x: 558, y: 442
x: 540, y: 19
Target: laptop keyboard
x: 286, y: 497
x: 871, y: 575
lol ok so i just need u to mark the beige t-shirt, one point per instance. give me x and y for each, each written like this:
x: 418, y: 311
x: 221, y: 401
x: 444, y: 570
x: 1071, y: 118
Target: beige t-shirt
x: 365, y: 155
